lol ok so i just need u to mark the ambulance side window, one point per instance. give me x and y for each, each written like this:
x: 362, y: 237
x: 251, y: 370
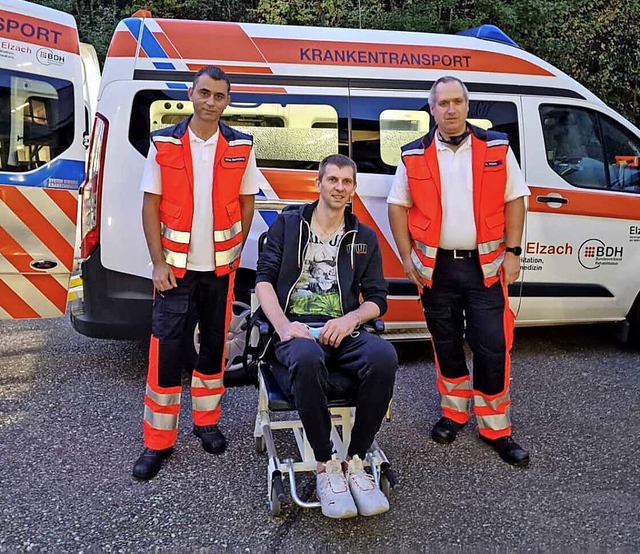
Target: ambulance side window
x: 291, y: 131
x: 381, y: 126
x: 622, y: 154
x: 573, y: 145
x: 36, y: 120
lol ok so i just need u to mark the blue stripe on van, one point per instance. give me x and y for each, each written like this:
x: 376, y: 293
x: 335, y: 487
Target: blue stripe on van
x: 133, y: 24
x: 177, y: 86
x: 59, y: 174
x: 163, y: 65
x: 151, y: 46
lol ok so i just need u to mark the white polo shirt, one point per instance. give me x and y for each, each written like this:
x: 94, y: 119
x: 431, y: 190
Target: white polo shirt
x: 203, y: 154
x: 458, y: 229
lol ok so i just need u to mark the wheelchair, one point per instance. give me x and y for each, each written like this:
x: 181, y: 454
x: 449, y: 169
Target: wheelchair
x: 272, y: 399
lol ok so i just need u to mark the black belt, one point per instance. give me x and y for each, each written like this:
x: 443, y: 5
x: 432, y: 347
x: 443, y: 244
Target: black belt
x: 458, y: 254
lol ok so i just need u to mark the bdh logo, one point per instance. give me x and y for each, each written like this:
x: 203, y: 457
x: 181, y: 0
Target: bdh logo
x: 594, y: 253
x: 48, y: 57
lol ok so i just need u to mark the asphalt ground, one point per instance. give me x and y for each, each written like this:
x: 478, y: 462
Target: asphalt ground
x: 70, y: 430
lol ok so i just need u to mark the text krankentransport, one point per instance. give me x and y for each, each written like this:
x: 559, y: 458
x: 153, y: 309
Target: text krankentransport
x: 383, y: 57
x: 23, y: 29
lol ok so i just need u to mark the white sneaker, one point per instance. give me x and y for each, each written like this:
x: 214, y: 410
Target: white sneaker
x: 333, y: 492
x: 369, y: 499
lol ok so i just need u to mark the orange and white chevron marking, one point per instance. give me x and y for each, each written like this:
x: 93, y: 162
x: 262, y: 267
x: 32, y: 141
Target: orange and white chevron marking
x: 36, y: 225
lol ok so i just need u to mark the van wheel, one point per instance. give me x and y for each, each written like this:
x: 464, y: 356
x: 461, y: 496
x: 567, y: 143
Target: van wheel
x: 634, y: 324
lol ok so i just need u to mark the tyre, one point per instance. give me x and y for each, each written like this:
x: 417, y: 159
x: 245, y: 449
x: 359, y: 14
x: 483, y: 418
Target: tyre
x: 633, y: 317
x: 275, y: 506
x: 385, y: 486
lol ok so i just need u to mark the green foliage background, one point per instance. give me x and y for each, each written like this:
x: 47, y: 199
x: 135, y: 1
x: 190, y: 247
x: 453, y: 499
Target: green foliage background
x: 597, y: 42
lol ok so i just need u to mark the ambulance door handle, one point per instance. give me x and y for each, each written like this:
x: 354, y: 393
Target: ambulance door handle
x: 552, y: 199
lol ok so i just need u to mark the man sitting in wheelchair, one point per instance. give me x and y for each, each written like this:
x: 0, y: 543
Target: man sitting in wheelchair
x: 317, y: 262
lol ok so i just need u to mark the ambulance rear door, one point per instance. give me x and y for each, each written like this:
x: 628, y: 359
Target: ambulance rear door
x: 41, y: 158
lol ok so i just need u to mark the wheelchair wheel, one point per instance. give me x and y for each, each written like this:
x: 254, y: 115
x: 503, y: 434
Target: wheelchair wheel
x: 261, y: 445
x: 275, y: 506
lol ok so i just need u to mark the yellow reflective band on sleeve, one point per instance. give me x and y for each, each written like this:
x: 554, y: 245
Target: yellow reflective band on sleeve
x: 428, y: 251
x: 181, y: 237
x: 227, y: 256
x: 488, y: 247
x: 456, y: 403
x: 164, y: 422
x: 205, y: 403
x: 424, y: 271
x: 176, y: 259
x: 228, y: 234
x: 494, y: 404
x: 496, y: 422
x: 163, y: 399
x: 209, y: 384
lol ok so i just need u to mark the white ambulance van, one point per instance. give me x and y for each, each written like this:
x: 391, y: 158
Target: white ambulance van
x: 304, y: 93
x: 44, y: 124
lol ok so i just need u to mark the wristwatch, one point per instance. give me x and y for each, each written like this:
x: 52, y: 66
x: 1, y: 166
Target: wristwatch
x: 516, y: 250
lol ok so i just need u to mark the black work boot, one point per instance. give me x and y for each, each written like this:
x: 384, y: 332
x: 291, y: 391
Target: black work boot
x: 509, y: 450
x: 212, y: 439
x: 150, y: 462
x: 445, y: 430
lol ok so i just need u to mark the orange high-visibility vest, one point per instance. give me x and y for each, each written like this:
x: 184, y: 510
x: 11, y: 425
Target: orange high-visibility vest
x: 489, y: 160
x: 176, y: 206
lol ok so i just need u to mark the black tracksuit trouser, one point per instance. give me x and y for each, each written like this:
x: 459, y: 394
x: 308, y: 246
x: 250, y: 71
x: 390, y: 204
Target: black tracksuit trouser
x: 304, y: 369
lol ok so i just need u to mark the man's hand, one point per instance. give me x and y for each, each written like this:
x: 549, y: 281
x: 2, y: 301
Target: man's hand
x: 412, y: 273
x: 335, y: 330
x: 293, y: 330
x: 163, y: 277
x: 510, y: 268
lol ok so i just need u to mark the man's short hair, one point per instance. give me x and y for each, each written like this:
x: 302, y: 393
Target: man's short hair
x: 214, y: 73
x: 447, y: 79
x: 339, y: 160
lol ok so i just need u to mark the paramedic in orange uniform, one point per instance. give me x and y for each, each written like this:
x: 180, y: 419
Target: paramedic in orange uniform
x: 456, y: 209
x: 199, y: 184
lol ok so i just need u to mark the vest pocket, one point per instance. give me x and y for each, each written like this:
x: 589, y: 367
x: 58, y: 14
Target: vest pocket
x: 419, y: 220
x: 170, y: 209
x: 494, y: 220
x: 173, y: 159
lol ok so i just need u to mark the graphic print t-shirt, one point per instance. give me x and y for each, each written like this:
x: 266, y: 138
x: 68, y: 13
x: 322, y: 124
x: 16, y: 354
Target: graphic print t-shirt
x: 316, y: 292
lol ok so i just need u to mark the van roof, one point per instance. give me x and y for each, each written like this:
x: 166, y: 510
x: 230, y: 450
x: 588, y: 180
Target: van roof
x: 171, y: 50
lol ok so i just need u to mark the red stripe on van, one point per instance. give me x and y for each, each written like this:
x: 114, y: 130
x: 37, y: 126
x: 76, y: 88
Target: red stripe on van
x: 391, y: 265
x: 409, y: 309
x: 66, y: 200
x: 166, y: 44
x: 404, y: 56
x: 588, y: 203
x: 39, y: 32
x: 123, y: 45
x: 201, y: 40
x: 272, y: 90
x: 234, y: 68
x: 21, y: 260
x: 11, y: 303
x: 38, y: 225
x: 293, y: 185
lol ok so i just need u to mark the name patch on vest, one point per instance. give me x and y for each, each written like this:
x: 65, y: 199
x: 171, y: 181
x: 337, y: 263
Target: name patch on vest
x: 493, y: 164
x: 358, y: 248
x: 236, y: 159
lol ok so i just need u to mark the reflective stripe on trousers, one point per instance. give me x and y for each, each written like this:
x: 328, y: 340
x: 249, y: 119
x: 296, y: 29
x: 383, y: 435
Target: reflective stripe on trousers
x: 206, y: 394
